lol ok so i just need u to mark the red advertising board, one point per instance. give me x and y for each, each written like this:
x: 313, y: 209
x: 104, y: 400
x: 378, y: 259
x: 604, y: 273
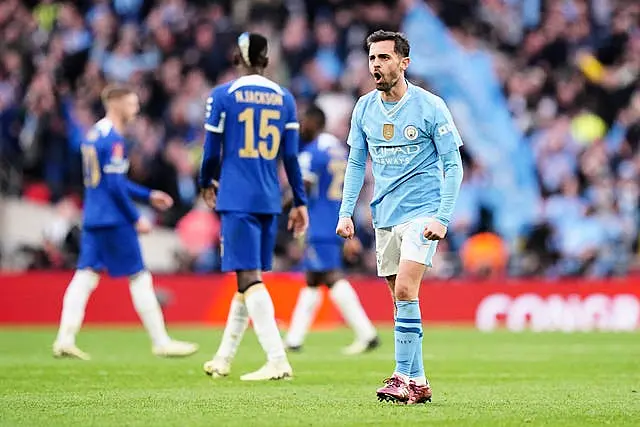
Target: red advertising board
x: 36, y: 298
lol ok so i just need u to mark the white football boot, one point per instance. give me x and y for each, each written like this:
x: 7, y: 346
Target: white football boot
x: 217, y: 367
x: 70, y: 351
x: 280, y: 370
x: 175, y: 349
x: 359, y: 347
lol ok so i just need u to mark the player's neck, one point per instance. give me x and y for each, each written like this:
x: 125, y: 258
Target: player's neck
x: 251, y: 72
x: 118, y: 123
x: 396, y: 93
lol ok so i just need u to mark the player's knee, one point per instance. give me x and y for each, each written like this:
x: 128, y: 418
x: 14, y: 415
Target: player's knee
x: 332, y: 277
x: 142, y: 278
x: 86, y: 278
x: 247, y: 279
x: 405, y: 291
x: 314, y: 279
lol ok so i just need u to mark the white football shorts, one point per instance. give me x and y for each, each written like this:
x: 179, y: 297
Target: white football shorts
x: 403, y: 241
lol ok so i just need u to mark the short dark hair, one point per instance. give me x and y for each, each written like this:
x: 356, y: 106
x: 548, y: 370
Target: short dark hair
x: 115, y: 91
x: 401, y: 44
x: 315, y: 113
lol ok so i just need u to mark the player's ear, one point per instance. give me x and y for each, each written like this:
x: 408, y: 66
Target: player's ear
x: 404, y: 64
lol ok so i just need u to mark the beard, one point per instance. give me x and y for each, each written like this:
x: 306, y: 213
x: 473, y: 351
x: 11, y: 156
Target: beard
x: 386, y: 84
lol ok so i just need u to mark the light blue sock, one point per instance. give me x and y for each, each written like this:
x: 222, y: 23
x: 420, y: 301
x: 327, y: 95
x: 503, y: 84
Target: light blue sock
x: 408, y: 335
x: 417, y: 367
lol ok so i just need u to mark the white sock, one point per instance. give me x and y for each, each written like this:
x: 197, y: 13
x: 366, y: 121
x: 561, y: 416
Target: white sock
x: 237, y: 323
x: 420, y: 380
x: 74, y: 304
x: 348, y: 303
x: 308, y: 303
x: 262, y: 315
x: 148, y: 308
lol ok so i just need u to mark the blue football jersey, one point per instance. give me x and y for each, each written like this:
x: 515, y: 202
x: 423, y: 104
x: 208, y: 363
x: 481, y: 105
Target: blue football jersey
x: 323, y: 163
x: 404, y: 141
x: 105, y: 165
x: 257, y: 118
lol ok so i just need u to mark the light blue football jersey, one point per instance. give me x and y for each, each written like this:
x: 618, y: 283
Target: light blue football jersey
x: 404, y: 141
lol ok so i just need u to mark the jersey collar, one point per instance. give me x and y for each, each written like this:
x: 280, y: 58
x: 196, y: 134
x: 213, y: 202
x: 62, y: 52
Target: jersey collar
x: 393, y: 111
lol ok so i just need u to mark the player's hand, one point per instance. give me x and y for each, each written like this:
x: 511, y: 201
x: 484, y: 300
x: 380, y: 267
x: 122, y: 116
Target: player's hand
x: 160, y: 200
x: 298, y: 221
x: 209, y: 195
x: 143, y: 226
x: 345, y: 228
x: 435, y: 230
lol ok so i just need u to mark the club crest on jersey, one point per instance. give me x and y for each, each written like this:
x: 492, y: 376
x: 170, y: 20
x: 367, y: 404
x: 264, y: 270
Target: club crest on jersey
x: 387, y: 131
x: 411, y: 132
x: 117, y: 153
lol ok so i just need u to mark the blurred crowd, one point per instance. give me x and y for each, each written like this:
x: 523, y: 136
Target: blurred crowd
x: 567, y: 72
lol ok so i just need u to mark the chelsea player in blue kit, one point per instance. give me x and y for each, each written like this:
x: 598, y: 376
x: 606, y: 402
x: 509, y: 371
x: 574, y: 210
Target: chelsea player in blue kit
x: 251, y: 123
x: 323, y: 162
x: 109, y: 231
x: 417, y: 170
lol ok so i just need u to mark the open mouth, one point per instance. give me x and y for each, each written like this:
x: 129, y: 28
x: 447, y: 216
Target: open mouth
x: 377, y: 76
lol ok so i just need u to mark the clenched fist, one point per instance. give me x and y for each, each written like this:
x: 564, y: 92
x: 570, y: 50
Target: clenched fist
x: 345, y: 228
x: 435, y: 230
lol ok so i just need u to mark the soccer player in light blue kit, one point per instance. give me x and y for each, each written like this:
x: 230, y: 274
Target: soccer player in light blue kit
x: 417, y: 169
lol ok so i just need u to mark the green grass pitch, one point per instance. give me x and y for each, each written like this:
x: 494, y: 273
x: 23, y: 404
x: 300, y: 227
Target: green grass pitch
x: 479, y: 379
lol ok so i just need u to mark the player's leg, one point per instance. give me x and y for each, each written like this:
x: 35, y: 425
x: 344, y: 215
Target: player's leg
x: 123, y: 257
x: 75, y: 300
x: 239, y: 232
x: 146, y: 305
x: 237, y: 323
x: 419, y: 389
x: 76, y: 296
x: 261, y: 311
x: 307, y: 305
x: 346, y: 300
x: 396, y: 388
x: 418, y: 252
x: 408, y: 327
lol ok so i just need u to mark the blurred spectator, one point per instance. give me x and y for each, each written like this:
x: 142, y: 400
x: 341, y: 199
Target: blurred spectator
x: 484, y: 255
x: 60, y: 243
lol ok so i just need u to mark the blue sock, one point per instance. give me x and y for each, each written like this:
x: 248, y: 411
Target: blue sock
x: 408, y: 335
x: 417, y: 367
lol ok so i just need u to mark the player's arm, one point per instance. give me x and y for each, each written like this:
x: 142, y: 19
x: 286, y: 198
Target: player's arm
x: 213, y: 136
x: 298, y: 217
x: 158, y: 199
x: 138, y: 191
x: 290, y: 153
x: 447, y: 141
x: 117, y: 183
x: 354, y: 175
x: 309, y: 178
